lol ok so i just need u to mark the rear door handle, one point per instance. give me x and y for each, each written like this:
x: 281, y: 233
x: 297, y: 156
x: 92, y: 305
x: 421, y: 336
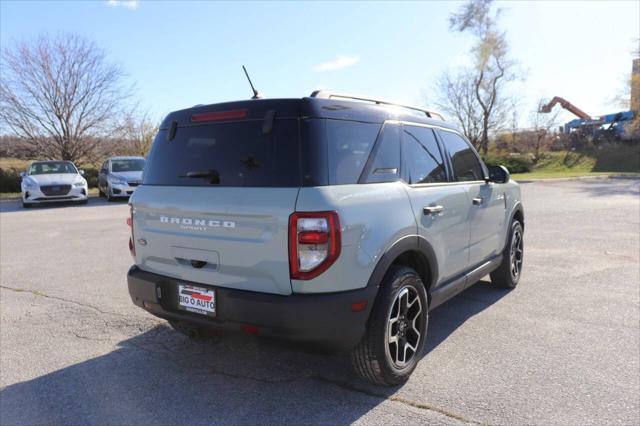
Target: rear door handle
x: 477, y: 201
x: 432, y: 209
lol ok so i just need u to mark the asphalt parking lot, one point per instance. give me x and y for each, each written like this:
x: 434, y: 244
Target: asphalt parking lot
x: 564, y: 347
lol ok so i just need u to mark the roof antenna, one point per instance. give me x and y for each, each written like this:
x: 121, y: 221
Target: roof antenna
x: 256, y: 94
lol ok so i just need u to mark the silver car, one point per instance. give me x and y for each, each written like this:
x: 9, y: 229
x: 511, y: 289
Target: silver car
x: 53, y: 181
x: 119, y: 176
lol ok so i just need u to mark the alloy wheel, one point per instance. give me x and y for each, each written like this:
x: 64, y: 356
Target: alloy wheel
x: 404, y: 327
x: 516, y: 254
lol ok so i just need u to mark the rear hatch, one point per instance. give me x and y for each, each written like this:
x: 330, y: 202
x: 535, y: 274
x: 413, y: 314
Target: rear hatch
x: 218, y: 189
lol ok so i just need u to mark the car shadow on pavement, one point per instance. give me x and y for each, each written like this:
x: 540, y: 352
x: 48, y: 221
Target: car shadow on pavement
x: 9, y: 206
x: 611, y: 186
x: 446, y: 318
x: 159, y: 376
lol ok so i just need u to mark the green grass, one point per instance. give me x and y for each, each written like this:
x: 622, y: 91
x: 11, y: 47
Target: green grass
x: 596, y: 161
x: 565, y: 162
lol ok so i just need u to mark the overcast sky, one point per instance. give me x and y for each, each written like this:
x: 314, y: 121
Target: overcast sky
x: 185, y: 53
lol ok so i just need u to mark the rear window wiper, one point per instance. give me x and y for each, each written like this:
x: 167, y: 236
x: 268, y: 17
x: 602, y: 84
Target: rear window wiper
x: 212, y: 175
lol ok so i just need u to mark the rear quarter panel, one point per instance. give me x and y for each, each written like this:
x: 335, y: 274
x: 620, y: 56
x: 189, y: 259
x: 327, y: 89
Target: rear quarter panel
x: 372, y: 218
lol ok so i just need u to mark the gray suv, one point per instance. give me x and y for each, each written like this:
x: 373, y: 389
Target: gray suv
x: 334, y: 219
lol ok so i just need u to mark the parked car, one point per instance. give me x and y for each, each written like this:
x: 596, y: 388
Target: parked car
x: 53, y: 181
x: 120, y: 176
x: 332, y: 218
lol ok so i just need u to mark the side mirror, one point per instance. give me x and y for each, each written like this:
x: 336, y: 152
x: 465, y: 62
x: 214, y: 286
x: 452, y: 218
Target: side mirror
x: 23, y: 174
x: 499, y: 174
x: 81, y: 172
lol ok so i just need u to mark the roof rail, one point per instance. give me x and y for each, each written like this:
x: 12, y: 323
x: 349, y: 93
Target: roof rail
x: 329, y: 95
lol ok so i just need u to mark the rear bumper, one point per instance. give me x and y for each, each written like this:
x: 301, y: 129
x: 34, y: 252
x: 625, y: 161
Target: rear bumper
x: 322, y: 318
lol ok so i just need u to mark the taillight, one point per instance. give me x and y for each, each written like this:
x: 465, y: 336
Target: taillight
x: 132, y: 244
x: 314, y: 243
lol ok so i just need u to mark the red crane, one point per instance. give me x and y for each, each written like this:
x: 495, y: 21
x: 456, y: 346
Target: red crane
x: 566, y: 105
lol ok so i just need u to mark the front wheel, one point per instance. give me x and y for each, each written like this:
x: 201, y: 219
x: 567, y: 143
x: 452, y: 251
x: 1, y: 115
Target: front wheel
x: 396, y: 331
x: 508, y: 273
x: 108, y: 194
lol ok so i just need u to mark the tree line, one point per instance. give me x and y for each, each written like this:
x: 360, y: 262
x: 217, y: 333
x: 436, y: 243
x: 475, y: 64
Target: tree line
x: 60, y: 98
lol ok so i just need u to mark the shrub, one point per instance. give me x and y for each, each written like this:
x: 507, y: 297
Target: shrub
x: 91, y: 175
x: 10, y: 180
x: 515, y: 163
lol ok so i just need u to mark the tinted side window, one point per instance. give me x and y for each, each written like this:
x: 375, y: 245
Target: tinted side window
x: 384, y: 165
x: 314, y: 152
x: 422, y: 156
x: 466, y: 165
x: 348, y: 144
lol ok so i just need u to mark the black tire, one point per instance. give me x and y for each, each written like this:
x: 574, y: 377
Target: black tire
x: 504, y: 276
x: 83, y: 202
x: 372, y: 358
x: 108, y: 195
x: 27, y: 205
x: 190, y: 330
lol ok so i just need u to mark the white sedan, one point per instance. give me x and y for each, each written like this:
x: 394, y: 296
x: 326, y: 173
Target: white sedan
x: 53, y: 181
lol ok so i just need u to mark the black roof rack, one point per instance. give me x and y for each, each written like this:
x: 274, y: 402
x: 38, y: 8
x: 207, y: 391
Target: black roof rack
x: 329, y: 95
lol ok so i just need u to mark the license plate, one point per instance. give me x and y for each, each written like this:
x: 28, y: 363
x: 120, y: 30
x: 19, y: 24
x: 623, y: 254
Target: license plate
x: 197, y: 300
x: 55, y: 188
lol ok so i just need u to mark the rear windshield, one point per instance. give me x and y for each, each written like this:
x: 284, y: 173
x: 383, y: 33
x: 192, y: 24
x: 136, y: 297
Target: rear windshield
x: 227, y: 154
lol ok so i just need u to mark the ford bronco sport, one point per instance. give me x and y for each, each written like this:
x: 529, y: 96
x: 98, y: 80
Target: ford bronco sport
x: 331, y: 219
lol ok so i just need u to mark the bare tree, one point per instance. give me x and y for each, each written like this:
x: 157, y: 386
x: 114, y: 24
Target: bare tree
x: 138, y: 133
x: 457, y: 99
x: 61, y: 96
x: 514, y: 118
x: 542, y: 126
x: 492, y: 68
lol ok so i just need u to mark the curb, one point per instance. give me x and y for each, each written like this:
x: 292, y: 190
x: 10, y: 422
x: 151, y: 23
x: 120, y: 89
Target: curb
x: 623, y: 177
